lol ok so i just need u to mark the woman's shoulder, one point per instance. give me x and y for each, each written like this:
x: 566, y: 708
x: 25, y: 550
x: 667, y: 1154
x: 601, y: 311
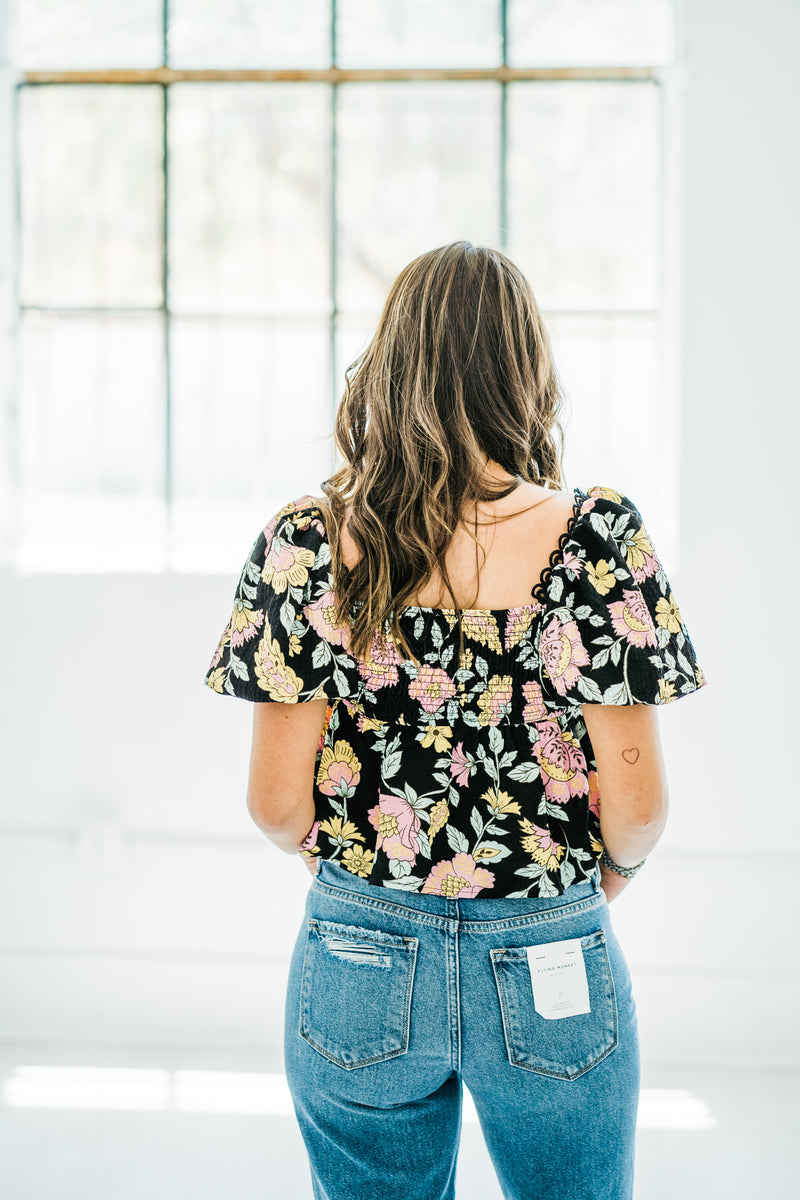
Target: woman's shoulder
x: 603, y: 510
x: 303, y: 513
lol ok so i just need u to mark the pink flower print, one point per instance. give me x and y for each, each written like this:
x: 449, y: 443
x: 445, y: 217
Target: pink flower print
x: 245, y: 623
x: 571, y: 562
x: 339, y: 770
x: 640, y: 556
x: 563, y: 653
x: 562, y: 763
x: 518, y: 622
x: 320, y: 617
x: 287, y: 566
x: 631, y: 619
x: 534, y: 708
x: 397, y: 825
x: 651, y: 565
x: 594, y: 794
x: 310, y: 840
x: 460, y: 765
x: 459, y: 878
x: 380, y: 669
x: 432, y: 687
x: 587, y: 505
x: 540, y: 845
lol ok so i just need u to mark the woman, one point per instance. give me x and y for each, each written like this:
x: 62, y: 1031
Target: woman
x: 474, y: 771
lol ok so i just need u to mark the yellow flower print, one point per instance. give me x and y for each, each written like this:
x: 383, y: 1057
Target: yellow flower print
x: 482, y: 627
x: 431, y: 687
x: 500, y: 802
x: 666, y: 691
x: 485, y: 852
x: 273, y: 673
x: 338, y: 765
x: 439, y: 736
x: 286, y: 565
x: 517, y: 626
x: 700, y: 677
x: 494, y: 699
x: 439, y: 816
x: 295, y: 645
x: 668, y: 615
x: 467, y: 659
x: 245, y: 623
x: 340, y: 831
x: 216, y: 679
x: 369, y: 723
x: 607, y: 494
x: 601, y: 576
x: 596, y: 845
x: 638, y: 550
x: 540, y: 845
x: 359, y: 860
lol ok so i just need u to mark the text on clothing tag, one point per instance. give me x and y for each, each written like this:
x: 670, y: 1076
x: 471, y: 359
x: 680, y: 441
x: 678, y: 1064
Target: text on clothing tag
x: 558, y: 975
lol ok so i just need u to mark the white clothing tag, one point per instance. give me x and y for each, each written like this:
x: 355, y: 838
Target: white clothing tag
x: 558, y: 976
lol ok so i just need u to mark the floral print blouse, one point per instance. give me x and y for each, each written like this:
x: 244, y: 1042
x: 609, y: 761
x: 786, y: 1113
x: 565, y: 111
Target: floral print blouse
x: 476, y: 779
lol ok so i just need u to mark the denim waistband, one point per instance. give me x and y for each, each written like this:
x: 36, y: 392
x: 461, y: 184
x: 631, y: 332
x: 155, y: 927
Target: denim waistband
x: 332, y: 878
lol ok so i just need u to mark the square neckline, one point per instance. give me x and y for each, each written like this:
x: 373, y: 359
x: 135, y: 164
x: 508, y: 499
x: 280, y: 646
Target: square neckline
x: 534, y: 606
x: 539, y: 589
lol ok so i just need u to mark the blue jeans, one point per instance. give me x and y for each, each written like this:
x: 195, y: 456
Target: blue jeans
x: 396, y: 998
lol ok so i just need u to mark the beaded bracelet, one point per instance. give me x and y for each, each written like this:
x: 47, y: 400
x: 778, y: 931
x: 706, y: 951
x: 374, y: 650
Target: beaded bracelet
x: 628, y: 872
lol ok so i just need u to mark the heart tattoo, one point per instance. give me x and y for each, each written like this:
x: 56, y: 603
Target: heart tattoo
x: 631, y: 756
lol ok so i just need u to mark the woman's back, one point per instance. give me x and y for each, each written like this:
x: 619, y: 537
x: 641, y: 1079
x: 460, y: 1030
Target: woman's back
x: 515, y: 550
x: 464, y: 772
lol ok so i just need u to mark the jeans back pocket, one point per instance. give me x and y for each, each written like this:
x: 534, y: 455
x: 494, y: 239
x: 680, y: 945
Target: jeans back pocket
x: 355, y: 1004
x: 564, y: 1047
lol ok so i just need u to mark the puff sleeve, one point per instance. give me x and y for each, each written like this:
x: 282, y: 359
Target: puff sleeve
x: 613, y: 632
x: 278, y: 644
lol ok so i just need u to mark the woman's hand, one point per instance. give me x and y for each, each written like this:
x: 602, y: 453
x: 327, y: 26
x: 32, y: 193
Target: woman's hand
x: 612, y: 882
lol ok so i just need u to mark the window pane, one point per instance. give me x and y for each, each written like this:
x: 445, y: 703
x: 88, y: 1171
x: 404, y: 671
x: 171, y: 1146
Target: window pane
x: 91, y: 194
x: 416, y: 33
x: 353, y: 335
x: 418, y: 167
x: 249, y: 198
x: 251, y: 405
x: 583, y: 192
x: 64, y: 34
x: 250, y: 33
x: 618, y: 422
x: 590, y: 32
x: 91, y: 442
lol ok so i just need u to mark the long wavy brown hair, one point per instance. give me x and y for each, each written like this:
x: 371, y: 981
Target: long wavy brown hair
x: 459, y: 371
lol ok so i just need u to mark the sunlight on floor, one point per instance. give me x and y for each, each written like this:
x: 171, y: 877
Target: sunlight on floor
x: 154, y: 1090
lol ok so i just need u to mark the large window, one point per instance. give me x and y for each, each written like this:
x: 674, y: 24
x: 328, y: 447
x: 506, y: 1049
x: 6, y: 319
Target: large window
x: 211, y: 198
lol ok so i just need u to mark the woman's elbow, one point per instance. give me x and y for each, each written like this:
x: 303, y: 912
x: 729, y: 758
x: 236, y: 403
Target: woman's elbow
x: 647, y: 809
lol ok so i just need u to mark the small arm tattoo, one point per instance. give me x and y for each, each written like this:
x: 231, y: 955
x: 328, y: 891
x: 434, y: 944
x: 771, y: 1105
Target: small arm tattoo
x: 631, y: 756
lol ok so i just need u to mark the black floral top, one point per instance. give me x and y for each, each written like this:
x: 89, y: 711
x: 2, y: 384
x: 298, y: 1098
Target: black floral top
x: 470, y: 780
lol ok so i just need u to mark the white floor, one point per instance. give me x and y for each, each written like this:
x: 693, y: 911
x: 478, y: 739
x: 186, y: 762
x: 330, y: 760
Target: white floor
x: 106, y: 1124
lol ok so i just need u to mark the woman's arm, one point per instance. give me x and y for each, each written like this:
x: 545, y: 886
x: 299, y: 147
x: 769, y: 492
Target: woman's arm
x: 632, y: 782
x: 282, y: 759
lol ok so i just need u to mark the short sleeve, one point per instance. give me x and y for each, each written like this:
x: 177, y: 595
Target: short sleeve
x: 612, y: 631
x: 279, y: 643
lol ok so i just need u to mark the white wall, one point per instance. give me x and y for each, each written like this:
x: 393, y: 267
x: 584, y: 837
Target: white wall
x: 171, y: 920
